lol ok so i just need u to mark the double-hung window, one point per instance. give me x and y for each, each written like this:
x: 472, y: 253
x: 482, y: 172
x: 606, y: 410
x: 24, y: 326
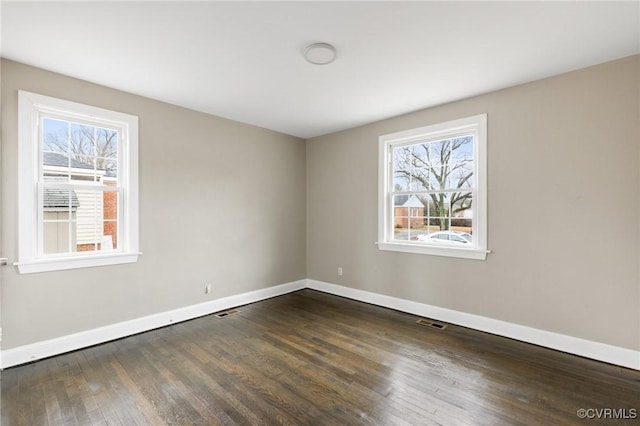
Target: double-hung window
x: 78, y: 185
x: 432, y: 189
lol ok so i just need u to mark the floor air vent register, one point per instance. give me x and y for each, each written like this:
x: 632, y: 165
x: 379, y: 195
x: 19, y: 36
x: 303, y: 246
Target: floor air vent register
x: 432, y: 324
x: 226, y: 313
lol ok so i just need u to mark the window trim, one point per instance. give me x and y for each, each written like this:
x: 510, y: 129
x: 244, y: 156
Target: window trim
x: 476, y: 124
x: 31, y: 107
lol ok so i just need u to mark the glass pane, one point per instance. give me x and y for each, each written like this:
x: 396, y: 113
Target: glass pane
x: 82, y: 142
x: 57, y: 237
x: 439, y: 165
x: 417, y: 222
x: 419, y: 171
x: 437, y: 224
x: 402, y: 158
x: 59, y: 208
x: 408, y: 206
x: 107, y: 169
x: 437, y: 153
x: 420, y: 179
x: 461, y: 175
x: 439, y: 204
x: 401, y: 228
x: 55, y: 146
x: 107, y: 143
x: 89, y: 219
x: 409, y: 213
x: 435, y: 178
x: 59, y: 200
x: 406, y: 201
x: 462, y: 149
x: 110, y: 200
x: 462, y: 214
x: 107, y: 152
x: 461, y: 203
x: 461, y: 163
x: 55, y: 136
x: 109, y: 240
x: 400, y: 217
x: 402, y: 168
x: 401, y: 180
x: 410, y: 172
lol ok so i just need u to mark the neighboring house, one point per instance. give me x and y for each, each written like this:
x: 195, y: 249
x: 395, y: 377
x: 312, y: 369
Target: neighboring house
x: 88, y: 210
x: 410, y: 211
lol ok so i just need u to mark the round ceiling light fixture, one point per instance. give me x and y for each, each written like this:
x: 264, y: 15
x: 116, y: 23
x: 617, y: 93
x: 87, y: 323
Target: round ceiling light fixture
x: 320, y: 53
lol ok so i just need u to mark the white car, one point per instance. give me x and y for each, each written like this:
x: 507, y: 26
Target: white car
x: 447, y: 237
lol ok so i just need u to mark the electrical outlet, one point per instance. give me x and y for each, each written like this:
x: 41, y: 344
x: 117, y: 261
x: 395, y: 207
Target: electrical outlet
x: 207, y: 288
x: 339, y: 271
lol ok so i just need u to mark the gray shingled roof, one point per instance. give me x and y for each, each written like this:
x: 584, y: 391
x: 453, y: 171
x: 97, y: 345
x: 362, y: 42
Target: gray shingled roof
x: 407, y: 201
x: 59, y: 198
x: 61, y: 160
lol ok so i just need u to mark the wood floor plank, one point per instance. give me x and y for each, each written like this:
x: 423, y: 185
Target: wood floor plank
x: 314, y: 359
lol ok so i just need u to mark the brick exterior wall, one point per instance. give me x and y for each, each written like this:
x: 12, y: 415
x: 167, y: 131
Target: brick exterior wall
x: 110, y: 212
x: 402, y: 221
x: 109, y: 216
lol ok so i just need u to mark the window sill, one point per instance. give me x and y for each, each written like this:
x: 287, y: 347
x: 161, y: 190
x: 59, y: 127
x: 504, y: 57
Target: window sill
x: 64, y: 263
x: 464, y: 253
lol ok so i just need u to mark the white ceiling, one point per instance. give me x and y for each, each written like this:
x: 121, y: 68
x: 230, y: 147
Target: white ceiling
x: 242, y: 60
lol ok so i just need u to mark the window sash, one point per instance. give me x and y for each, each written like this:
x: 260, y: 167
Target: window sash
x: 121, y: 237
x: 471, y: 126
x: 390, y: 217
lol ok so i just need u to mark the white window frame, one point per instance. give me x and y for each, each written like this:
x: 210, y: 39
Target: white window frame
x: 31, y: 108
x: 477, y: 125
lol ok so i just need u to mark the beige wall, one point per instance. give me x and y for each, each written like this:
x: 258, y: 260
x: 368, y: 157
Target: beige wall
x: 564, y: 212
x: 563, y: 199
x: 220, y: 202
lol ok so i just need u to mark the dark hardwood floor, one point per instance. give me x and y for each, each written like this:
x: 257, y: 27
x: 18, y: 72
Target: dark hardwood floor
x: 308, y: 358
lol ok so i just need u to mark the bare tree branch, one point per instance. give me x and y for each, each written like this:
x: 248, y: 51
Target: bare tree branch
x: 450, y: 170
x: 87, y: 144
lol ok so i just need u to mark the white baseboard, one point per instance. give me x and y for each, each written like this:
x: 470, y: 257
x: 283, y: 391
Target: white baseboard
x: 586, y: 348
x: 47, y: 348
x: 573, y: 345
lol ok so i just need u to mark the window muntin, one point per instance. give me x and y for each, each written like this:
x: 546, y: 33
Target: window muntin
x: 433, y: 189
x: 78, y: 185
